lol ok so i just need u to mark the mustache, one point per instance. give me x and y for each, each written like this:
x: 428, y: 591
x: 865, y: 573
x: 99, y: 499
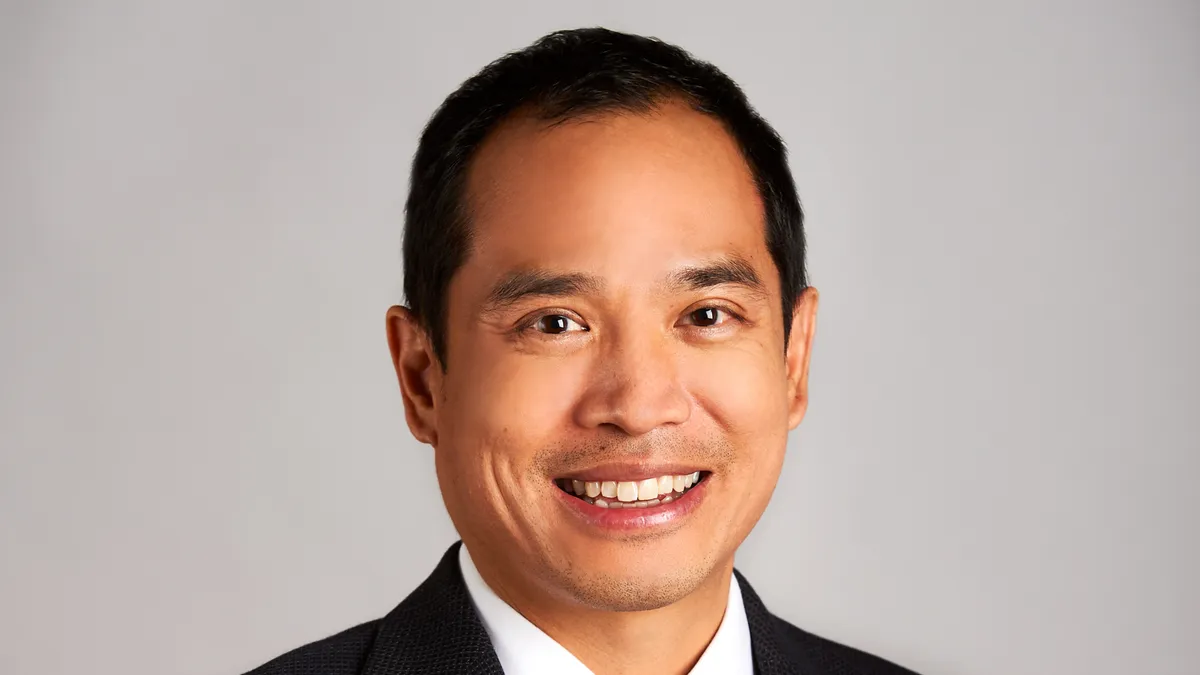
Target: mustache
x: 711, y: 452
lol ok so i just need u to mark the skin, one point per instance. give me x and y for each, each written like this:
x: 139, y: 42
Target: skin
x: 628, y: 365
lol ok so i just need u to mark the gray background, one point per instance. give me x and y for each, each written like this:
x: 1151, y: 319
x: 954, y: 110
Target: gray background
x: 203, y: 458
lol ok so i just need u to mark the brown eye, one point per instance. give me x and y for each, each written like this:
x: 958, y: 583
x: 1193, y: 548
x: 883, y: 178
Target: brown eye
x: 555, y: 324
x: 706, y: 316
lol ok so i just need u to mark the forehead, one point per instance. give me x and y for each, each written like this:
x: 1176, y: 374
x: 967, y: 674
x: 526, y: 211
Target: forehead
x: 624, y: 196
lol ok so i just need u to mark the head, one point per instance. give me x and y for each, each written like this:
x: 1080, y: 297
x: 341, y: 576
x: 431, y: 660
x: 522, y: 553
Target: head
x: 604, y: 271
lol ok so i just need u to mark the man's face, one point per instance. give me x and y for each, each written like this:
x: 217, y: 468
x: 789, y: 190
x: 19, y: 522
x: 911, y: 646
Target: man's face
x: 617, y: 319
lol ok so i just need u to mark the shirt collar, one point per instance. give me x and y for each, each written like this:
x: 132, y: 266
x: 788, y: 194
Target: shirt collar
x: 524, y: 649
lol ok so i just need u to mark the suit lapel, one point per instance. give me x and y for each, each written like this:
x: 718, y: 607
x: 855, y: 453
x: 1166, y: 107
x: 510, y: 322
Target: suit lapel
x: 769, y: 656
x: 435, y: 631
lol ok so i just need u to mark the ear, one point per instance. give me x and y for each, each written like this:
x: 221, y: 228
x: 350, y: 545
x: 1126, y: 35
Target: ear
x: 799, y: 351
x: 417, y: 370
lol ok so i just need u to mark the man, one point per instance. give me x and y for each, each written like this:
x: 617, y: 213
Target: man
x: 606, y: 342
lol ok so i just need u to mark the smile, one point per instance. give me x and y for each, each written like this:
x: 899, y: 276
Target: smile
x: 631, y: 494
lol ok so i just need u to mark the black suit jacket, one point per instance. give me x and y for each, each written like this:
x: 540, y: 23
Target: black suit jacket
x: 436, y: 631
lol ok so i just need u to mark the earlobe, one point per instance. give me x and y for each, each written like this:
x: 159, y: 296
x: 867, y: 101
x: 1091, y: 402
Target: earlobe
x: 416, y: 371
x: 799, y: 353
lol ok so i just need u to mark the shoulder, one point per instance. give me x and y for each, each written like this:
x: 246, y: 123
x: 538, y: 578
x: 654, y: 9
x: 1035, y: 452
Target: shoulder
x: 341, y: 654
x: 780, y: 647
x: 827, y: 656
x: 433, y: 631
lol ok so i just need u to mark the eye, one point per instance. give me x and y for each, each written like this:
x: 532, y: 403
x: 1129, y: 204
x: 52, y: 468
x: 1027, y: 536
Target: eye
x: 707, y: 317
x: 556, y: 324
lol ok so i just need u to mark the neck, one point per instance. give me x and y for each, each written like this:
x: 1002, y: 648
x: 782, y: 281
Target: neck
x: 664, y: 641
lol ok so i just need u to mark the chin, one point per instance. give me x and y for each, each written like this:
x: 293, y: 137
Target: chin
x: 633, y: 581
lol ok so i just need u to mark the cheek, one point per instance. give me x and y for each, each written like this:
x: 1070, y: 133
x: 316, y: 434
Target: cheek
x: 506, y: 410
x: 744, y: 390
x: 495, y: 416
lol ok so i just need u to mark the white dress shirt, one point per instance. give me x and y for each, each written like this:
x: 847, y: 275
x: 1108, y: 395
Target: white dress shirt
x: 523, y: 649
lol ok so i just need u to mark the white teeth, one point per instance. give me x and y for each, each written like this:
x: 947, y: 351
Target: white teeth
x: 665, y: 485
x: 627, y: 491
x: 647, y: 489
x: 630, y: 493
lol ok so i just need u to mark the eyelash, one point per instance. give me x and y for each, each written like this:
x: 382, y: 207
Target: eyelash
x: 529, y: 325
x: 720, y: 308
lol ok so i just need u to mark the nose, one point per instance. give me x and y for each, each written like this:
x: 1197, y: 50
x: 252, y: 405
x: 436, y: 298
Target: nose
x: 636, y: 387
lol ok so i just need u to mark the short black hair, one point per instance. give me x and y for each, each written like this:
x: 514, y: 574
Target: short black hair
x: 565, y: 75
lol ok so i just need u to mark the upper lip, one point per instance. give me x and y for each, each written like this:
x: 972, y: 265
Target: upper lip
x: 631, y: 471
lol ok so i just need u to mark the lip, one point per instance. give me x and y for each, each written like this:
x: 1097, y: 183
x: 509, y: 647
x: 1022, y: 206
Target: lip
x: 618, y: 520
x: 632, y: 471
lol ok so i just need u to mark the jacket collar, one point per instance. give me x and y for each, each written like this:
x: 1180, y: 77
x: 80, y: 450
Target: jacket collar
x: 436, y: 631
x: 769, y: 656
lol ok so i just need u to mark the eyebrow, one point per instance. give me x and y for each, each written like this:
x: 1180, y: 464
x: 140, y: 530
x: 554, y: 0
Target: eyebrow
x: 538, y: 283
x: 732, y: 270
x: 517, y: 286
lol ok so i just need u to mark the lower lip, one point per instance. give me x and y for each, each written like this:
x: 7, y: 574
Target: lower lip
x: 636, y: 518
